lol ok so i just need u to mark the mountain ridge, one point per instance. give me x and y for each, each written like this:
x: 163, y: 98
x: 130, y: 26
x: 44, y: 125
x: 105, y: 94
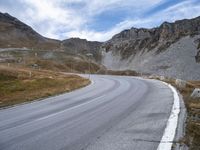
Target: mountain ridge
x: 172, y: 49
x: 14, y: 33
x: 144, y: 50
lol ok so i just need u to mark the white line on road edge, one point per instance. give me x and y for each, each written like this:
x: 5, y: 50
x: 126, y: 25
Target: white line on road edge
x: 170, y: 130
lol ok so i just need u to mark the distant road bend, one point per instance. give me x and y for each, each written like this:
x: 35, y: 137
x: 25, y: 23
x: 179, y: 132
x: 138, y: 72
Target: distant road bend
x: 113, y: 113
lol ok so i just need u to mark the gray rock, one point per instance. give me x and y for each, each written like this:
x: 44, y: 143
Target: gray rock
x: 180, y: 83
x: 196, y: 93
x: 162, y: 78
x: 197, y: 57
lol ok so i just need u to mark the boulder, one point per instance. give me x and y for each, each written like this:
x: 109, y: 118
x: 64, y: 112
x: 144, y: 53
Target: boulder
x: 196, y: 93
x: 197, y: 57
x: 162, y: 78
x: 180, y: 83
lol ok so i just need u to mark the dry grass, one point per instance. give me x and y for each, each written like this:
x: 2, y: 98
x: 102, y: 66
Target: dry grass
x: 121, y: 73
x: 22, y: 85
x: 193, y: 118
x: 67, y: 65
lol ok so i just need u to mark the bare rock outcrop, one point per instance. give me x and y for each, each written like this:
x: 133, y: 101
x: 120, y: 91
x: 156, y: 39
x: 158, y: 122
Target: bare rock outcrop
x: 180, y: 83
x: 197, y: 57
x: 172, y: 49
x: 196, y: 93
x: 82, y: 46
x: 133, y: 40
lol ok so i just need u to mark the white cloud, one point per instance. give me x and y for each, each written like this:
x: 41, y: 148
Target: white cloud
x: 98, y: 6
x: 186, y: 9
x: 182, y: 10
x: 51, y: 12
x: 57, y: 19
x: 105, y: 35
x: 70, y: 18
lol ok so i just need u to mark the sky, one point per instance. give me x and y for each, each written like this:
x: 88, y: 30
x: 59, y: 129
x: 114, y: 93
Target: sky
x: 96, y: 20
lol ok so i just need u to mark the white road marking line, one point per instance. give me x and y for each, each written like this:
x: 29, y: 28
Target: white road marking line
x: 172, y: 122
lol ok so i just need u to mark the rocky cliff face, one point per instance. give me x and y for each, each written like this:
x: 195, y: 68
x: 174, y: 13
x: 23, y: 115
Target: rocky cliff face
x: 171, y: 49
x: 133, y: 40
x: 82, y: 46
x: 197, y: 57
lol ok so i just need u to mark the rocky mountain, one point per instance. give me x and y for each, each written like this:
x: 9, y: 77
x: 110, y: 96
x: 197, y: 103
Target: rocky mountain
x: 21, y: 45
x: 172, y: 49
x: 16, y: 34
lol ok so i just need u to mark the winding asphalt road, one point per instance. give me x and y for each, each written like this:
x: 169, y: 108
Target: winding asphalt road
x: 113, y: 113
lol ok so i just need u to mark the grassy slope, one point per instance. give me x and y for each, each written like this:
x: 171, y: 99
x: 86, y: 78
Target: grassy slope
x: 21, y: 85
x: 49, y: 60
x: 192, y: 137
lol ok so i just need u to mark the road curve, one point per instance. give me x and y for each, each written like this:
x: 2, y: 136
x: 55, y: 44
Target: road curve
x: 112, y: 113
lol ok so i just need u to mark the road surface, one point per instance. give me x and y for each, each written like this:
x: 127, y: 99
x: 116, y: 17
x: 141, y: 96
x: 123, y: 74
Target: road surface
x: 113, y: 113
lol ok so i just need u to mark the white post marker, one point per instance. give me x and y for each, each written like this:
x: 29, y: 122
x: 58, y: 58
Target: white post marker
x: 89, y: 55
x: 170, y: 130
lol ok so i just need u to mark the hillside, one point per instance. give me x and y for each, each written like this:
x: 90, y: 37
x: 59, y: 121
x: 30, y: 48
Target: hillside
x: 18, y: 85
x: 81, y: 46
x: 14, y: 33
x: 171, y: 50
x: 22, y: 46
